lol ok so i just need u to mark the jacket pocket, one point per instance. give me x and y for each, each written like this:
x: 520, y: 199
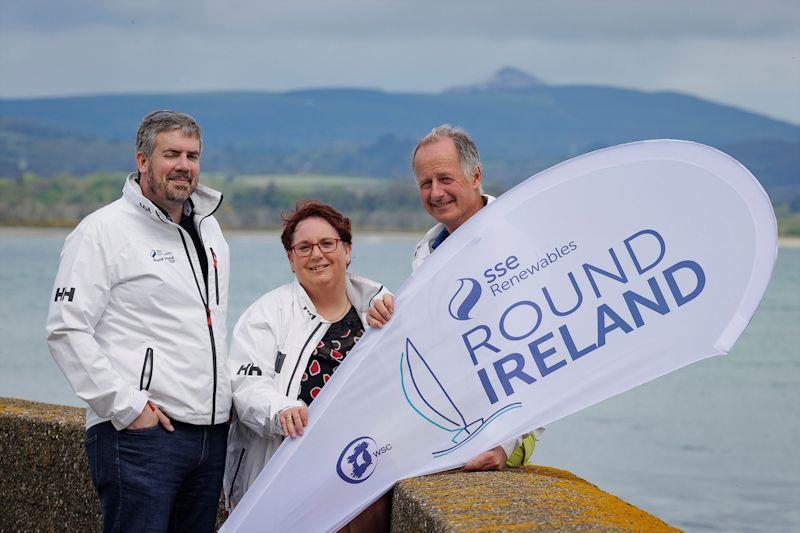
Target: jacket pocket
x: 280, y: 357
x: 90, y: 443
x: 147, y: 370
x: 216, y: 275
x: 142, y: 431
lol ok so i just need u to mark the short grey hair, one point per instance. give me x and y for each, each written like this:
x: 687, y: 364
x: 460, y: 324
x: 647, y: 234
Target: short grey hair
x: 161, y: 120
x: 465, y: 146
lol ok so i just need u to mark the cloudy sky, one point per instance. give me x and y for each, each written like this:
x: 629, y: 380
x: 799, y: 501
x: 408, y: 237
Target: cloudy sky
x: 744, y: 53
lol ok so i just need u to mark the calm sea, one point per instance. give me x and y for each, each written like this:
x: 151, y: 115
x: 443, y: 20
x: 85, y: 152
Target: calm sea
x: 712, y: 447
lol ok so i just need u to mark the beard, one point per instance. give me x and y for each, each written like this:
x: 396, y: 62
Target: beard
x: 168, y: 189
x: 178, y: 193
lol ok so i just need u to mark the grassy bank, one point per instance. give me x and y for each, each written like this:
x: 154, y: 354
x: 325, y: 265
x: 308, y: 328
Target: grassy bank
x: 253, y: 201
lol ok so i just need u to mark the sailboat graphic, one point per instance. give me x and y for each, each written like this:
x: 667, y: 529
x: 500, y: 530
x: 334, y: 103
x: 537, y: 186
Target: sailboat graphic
x: 428, y: 398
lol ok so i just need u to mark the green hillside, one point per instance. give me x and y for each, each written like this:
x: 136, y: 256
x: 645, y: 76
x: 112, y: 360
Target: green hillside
x: 371, y: 133
x: 62, y: 157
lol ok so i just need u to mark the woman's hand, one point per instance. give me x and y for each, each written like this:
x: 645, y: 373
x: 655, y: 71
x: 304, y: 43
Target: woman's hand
x: 380, y: 311
x: 293, y: 420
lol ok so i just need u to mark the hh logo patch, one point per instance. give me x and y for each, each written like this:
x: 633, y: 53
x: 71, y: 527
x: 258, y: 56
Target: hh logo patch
x: 63, y: 292
x: 248, y: 370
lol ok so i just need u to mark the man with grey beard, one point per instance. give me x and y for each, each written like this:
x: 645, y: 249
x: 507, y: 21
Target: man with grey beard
x: 137, y: 324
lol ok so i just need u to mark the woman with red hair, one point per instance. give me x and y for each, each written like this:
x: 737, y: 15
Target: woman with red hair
x: 288, y: 344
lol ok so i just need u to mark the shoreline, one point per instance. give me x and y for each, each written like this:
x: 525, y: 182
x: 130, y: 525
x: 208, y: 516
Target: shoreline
x: 52, y: 231
x: 790, y: 241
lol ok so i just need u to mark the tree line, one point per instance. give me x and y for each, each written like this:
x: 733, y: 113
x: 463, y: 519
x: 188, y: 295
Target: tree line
x: 389, y: 204
x: 31, y: 200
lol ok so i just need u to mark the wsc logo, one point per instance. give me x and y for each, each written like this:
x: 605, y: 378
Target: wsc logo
x: 356, y: 463
x: 465, y: 298
x: 428, y: 398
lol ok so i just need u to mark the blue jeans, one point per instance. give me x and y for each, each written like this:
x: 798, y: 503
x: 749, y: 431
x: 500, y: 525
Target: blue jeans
x: 153, y: 480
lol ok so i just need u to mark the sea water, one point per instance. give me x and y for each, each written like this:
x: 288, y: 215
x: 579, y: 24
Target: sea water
x: 711, y: 447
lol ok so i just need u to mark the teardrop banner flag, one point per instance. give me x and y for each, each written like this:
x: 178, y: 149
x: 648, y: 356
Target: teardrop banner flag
x: 590, y: 278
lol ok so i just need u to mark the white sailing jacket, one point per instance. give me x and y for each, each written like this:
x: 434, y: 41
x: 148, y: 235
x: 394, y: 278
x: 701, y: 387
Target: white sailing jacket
x: 271, y: 345
x: 131, y: 318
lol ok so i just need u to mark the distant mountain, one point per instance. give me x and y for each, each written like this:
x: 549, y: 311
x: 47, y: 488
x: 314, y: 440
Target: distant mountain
x: 505, y: 79
x: 521, y: 126
x: 45, y: 150
x: 775, y: 163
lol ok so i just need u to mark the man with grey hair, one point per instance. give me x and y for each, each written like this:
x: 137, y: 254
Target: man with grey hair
x: 449, y: 179
x: 137, y: 325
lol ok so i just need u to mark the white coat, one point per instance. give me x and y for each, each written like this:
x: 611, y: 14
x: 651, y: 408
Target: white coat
x: 271, y: 346
x: 131, y: 318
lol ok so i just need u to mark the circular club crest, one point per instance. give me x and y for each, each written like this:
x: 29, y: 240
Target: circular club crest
x: 356, y: 463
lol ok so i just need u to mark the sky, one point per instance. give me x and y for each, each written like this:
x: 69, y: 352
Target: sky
x: 741, y: 53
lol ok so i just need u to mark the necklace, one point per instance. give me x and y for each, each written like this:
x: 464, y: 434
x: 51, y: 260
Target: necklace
x: 344, y: 312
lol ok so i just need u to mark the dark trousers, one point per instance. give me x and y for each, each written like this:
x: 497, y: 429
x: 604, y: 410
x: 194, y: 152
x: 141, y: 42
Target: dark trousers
x: 153, y: 480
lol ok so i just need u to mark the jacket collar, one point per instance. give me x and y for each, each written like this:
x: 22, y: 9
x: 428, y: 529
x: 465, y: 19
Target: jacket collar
x: 435, y: 232
x: 204, y: 200
x: 438, y: 233
x: 359, y: 290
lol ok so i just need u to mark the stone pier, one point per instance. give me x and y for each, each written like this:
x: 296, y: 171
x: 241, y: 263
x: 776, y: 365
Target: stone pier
x: 45, y: 486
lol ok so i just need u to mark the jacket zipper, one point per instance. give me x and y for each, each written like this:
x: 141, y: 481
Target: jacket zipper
x: 208, y: 320
x: 300, y: 357
x: 216, y: 277
x: 147, y: 369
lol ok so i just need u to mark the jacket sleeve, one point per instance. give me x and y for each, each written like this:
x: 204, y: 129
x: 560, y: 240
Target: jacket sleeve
x: 79, y: 298
x: 519, y: 444
x: 510, y: 445
x: 252, y: 358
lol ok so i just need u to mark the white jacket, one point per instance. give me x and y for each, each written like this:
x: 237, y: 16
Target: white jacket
x: 421, y: 252
x: 271, y: 345
x: 131, y: 317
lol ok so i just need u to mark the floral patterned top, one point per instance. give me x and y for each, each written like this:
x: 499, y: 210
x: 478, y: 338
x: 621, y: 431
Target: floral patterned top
x: 329, y: 353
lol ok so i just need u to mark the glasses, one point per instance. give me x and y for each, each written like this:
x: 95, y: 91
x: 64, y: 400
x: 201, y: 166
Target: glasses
x: 326, y: 246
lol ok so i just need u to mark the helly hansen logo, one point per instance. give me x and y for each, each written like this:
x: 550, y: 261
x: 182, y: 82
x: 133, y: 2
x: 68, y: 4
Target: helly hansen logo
x: 62, y: 293
x: 248, y: 370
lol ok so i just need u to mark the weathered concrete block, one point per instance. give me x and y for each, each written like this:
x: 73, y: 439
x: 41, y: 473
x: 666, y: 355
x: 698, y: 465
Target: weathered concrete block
x: 534, y: 498
x: 44, y: 476
x: 45, y: 486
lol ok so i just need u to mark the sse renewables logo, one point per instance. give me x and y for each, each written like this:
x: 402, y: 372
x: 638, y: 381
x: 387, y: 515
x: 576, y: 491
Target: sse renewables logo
x: 465, y: 298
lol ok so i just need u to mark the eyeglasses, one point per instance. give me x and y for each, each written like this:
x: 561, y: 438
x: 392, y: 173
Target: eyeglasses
x: 326, y: 246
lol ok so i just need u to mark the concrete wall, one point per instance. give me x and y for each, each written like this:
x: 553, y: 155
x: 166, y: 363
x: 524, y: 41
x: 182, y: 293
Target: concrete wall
x: 519, y: 499
x: 45, y: 486
x: 44, y: 476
